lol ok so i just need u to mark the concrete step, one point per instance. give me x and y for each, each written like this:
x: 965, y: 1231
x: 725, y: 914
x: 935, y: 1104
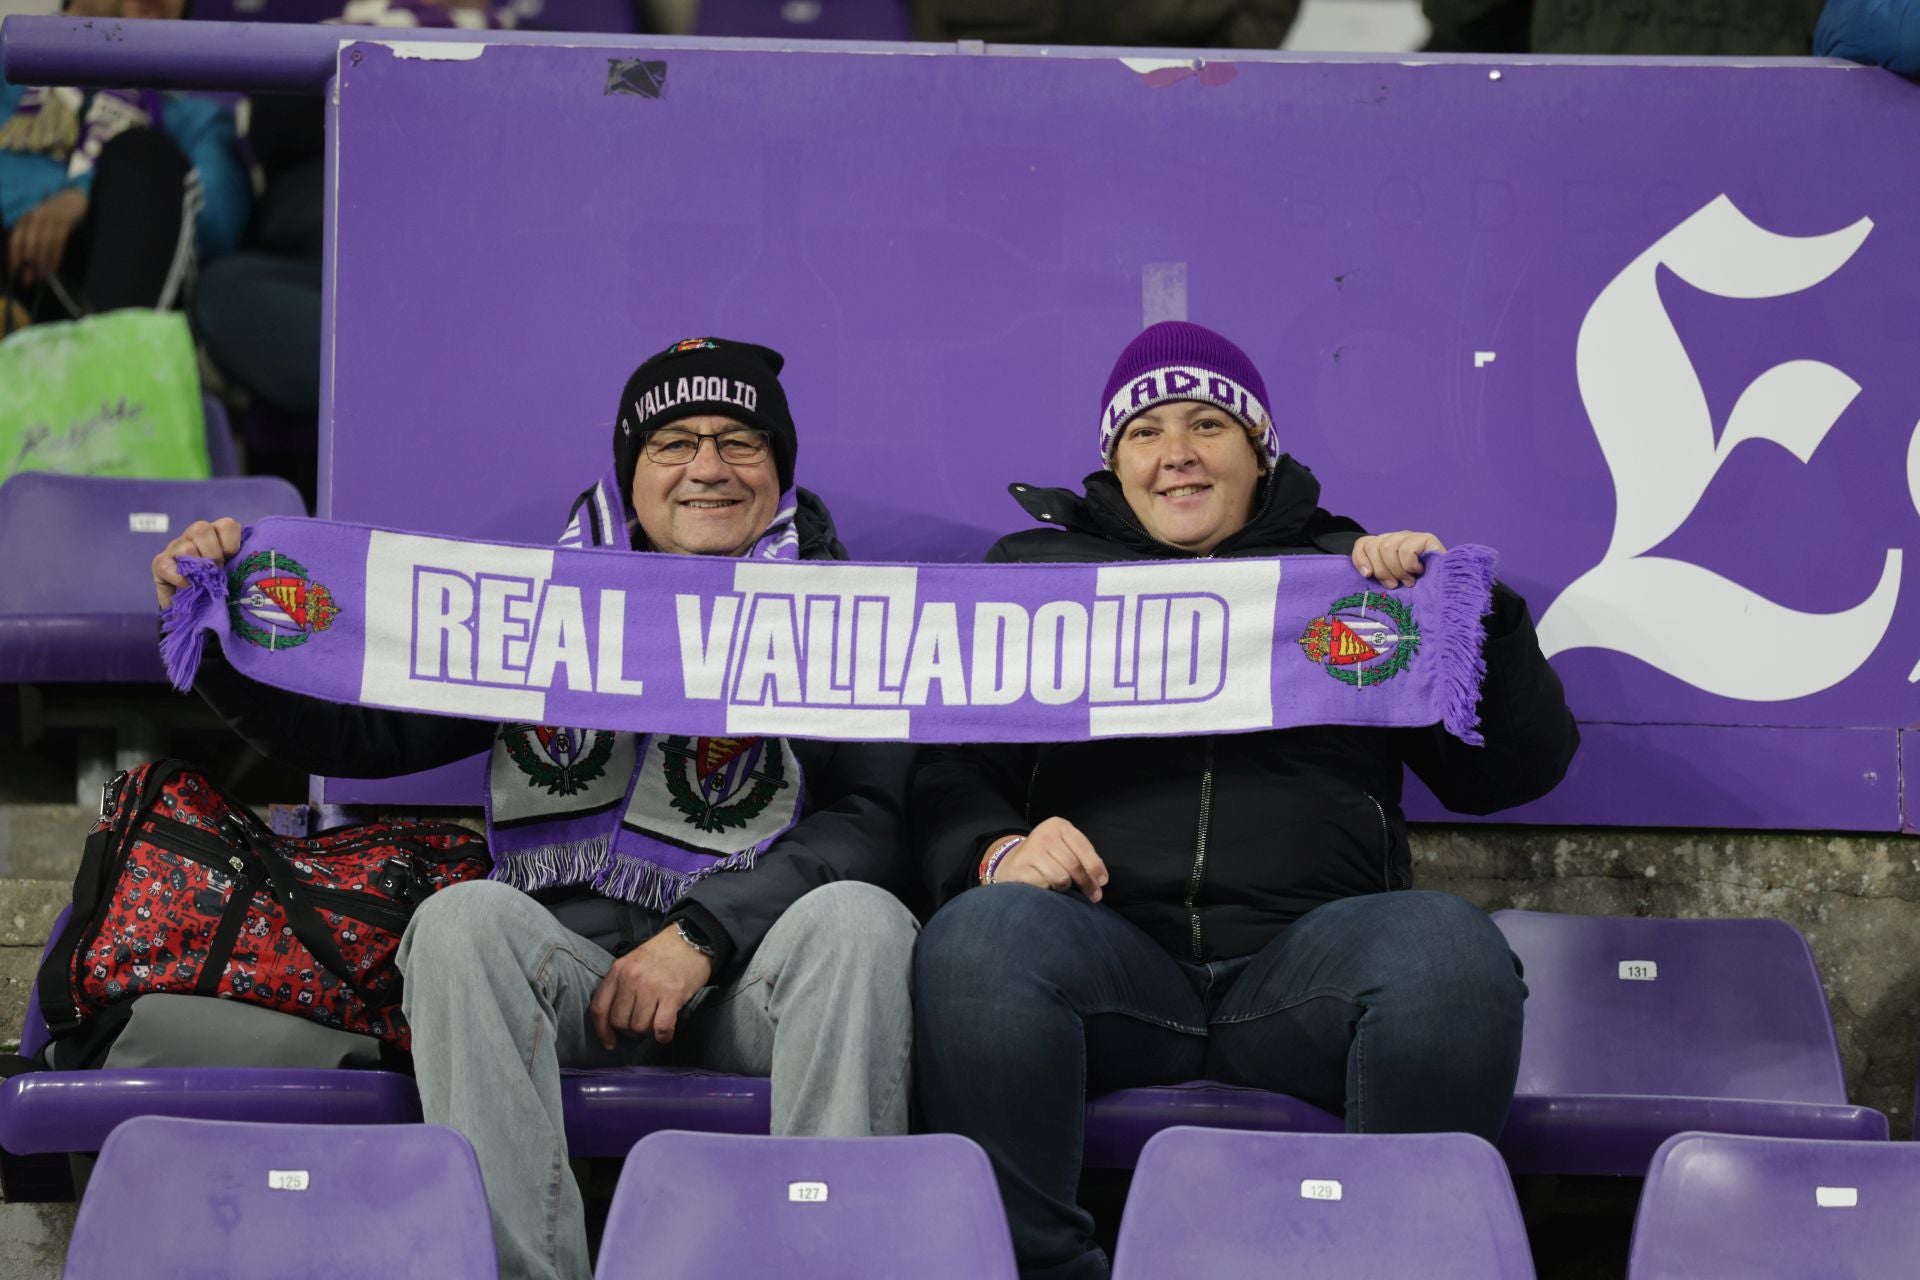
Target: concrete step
x: 27, y: 909
x: 43, y: 841
x: 33, y: 1239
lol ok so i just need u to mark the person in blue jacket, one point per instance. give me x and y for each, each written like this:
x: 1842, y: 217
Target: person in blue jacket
x: 1880, y: 33
x: 111, y: 198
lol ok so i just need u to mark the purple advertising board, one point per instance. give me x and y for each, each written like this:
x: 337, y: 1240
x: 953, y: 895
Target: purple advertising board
x: 1646, y: 329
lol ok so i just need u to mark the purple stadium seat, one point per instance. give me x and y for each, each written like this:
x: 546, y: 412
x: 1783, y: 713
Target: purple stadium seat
x: 1716, y: 1205
x: 1640, y: 1029
x: 208, y: 1198
x: 74, y: 1111
x: 1213, y: 1205
x: 609, y: 1109
x: 808, y: 19
x: 222, y: 458
x: 85, y: 612
x: 700, y: 1206
x: 1120, y: 1124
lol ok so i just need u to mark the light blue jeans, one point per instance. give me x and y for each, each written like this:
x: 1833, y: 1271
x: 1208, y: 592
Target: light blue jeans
x: 497, y: 991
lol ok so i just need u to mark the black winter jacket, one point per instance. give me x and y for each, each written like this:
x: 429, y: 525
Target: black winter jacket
x: 1214, y: 844
x: 850, y: 829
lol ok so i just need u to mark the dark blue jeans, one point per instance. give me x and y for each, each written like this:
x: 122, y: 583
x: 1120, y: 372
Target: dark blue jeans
x: 1401, y: 1010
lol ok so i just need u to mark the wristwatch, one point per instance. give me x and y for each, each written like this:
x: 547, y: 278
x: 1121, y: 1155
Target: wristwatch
x: 691, y: 935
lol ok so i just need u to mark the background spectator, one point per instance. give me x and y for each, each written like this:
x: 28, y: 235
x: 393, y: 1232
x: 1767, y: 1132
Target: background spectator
x: 1880, y: 33
x: 98, y: 190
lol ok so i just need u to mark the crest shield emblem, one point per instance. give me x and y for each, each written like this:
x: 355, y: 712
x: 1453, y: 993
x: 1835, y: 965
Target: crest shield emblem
x: 723, y: 784
x: 562, y: 760
x: 1363, y: 639
x: 272, y: 601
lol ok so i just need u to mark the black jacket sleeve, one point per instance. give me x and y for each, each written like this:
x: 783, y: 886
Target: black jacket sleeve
x: 1530, y: 734
x: 331, y: 738
x: 855, y: 832
x: 962, y: 798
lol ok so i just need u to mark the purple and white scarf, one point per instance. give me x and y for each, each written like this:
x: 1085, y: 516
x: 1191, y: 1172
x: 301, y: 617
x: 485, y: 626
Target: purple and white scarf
x: 637, y: 816
x: 688, y: 672
x: 68, y: 126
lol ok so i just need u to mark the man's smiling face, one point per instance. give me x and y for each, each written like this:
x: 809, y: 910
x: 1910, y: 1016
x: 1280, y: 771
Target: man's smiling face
x: 709, y: 506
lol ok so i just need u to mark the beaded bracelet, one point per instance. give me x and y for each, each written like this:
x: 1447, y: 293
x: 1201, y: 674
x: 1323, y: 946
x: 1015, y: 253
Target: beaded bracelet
x: 991, y: 862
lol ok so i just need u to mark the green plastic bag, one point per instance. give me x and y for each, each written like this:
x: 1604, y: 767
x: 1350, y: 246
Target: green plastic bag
x: 111, y: 395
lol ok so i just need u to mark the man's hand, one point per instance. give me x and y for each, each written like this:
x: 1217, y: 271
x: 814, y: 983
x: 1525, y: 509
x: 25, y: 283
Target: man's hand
x: 647, y: 988
x: 1054, y: 855
x: 1393, y: 559
x: 216, y: 542
x: 39, y: 240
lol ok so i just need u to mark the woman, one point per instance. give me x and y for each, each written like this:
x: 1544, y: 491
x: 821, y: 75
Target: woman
x: 1237, y: 907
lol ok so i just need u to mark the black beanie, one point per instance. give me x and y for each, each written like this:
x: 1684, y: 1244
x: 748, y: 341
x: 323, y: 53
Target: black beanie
x: 738, y: 380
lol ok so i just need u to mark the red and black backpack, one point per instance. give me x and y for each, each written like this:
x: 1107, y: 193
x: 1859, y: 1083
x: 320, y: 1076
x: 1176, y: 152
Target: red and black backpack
x: 184, y: 890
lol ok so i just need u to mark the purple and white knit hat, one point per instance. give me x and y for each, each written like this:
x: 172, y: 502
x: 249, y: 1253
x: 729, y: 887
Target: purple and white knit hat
x: 1175, y: 360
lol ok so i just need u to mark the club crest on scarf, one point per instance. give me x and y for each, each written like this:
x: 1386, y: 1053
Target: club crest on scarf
x: 275, y: 603
x: 721, y: 784
x: 561, y: 760
x: 1363, y: 639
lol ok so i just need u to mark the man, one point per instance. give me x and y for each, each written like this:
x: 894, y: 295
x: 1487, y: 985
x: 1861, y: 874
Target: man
x: 625, y: 930
x: 109, y: 199
x: 1130, y: 912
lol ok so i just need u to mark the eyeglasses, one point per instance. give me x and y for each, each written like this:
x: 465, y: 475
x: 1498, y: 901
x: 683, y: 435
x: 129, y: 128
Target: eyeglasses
x: 676, y: 448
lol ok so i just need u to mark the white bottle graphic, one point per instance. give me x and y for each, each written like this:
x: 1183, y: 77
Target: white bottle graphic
x: 1651, y: 418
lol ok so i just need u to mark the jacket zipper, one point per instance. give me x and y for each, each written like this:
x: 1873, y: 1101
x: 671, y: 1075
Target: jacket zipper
x: 1386, y: 843
x: 1200, y: 851
x: 1206, y: 773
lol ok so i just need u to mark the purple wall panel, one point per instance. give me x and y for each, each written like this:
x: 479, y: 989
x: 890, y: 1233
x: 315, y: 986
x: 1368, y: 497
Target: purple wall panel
x: 1909, y: 745
x: 1515, y: 305
x: 1738, y: 776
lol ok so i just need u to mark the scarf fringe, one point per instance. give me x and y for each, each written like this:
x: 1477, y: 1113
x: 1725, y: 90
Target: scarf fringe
x: 1464, y: 579
x: 643, y: 883
x: 551, y: 866
x: 631, y: 877
x: 196, y: 609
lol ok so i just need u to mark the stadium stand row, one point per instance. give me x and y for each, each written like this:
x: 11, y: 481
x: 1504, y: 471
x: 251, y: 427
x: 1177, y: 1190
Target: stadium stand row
x: 1718, y: 1025
x: 84, y: 619
x: 216, y: 1198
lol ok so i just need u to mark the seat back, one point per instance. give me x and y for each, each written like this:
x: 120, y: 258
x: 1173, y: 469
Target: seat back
x: 1777, y: 1209
x: 722, y: 1206
x: 1217, y: 1204
x: 223, y: 459
x: 34, y: 1034
x: 215, y: 1198
x: 91, y: 539
x: 1691, y: 1008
